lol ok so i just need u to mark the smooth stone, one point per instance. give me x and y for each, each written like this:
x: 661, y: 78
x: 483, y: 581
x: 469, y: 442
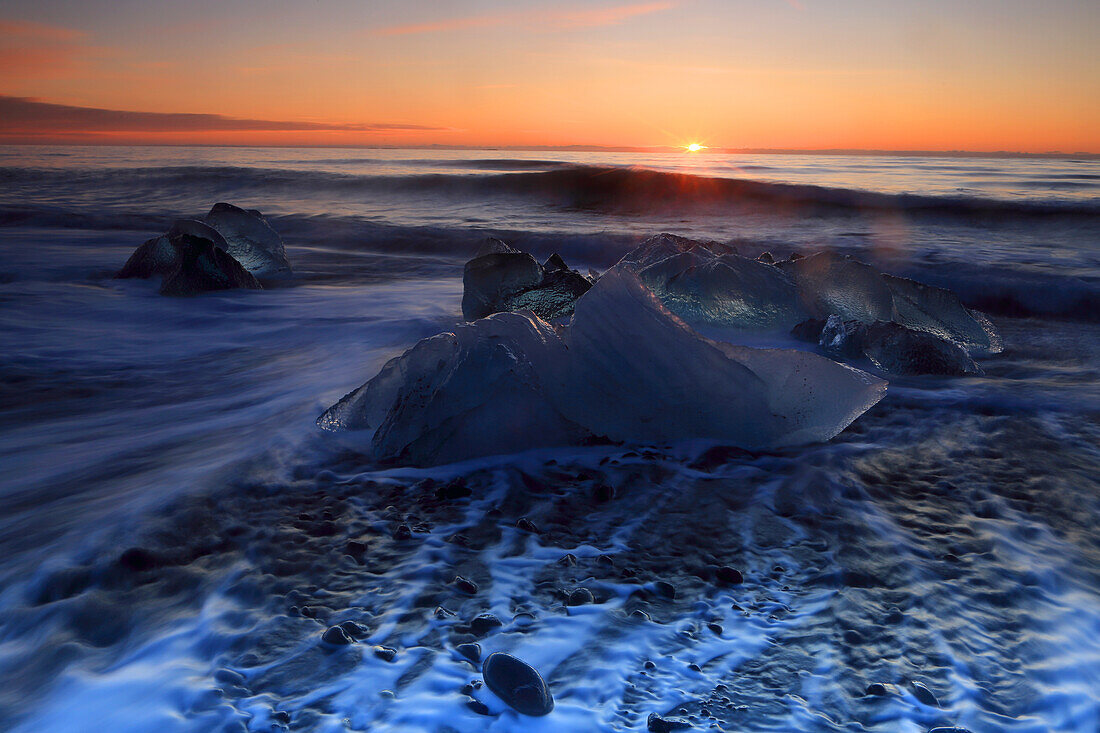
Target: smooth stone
x: 471, y: 651
x: 729, y: 576
x: 465, y: 585
x: 922, y: 693
x: 484, y: 623
x: 518, y: 684
x: 336, y: 636
x: 580, y: 597
x: 385, y: 653
x: 657, y: 724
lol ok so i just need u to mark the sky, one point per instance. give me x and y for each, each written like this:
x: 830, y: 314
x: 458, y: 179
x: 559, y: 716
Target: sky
x: 977, y: 75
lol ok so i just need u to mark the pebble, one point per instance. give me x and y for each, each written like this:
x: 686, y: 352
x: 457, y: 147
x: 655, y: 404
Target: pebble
x: 518, y: 684
x: 385, y: 653
x: 471, y: 651
x: 664, y: 588
x: 527, y: 525
x: 465, y: 585
x: 657, y: 724
x: 923, y: 694
x: 580, y: 597
x: 484, y: 623
x: 336, y: 636
x: 729, y: 576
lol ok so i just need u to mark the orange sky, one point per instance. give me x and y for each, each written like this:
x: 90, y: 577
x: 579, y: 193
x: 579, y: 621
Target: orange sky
x: 874, y: 74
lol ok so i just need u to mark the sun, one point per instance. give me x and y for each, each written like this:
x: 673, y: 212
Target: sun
x: 694, y: 147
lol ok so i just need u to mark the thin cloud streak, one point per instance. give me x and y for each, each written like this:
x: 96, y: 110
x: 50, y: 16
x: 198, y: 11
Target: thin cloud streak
x: 24, y: 115
x: 571, y: 19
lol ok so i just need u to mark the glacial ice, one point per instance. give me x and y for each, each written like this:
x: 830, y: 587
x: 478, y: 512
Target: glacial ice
x: 895, y: 349
x: 709, y: 284
x: 638, y: 373
x: 502, y: 278
x: 625, y: 368
x: 191, y: 258
x: 250, y: 239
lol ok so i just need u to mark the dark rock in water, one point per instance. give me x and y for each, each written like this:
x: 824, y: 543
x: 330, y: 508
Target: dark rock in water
x: 568, y: 559
x: 191, y: 258
x: 453, y: 490
x: 877, y: 689
x: 729, y: 576
x: 403, y: 532
x: 895, y: 349
x: 385, y: 653
x: 503, y: 278
x: 336, y: 636
x: 470, y: 687
x: 527, y: 525
x: 649, y: 664
x: 808, y: 330
x: 657, y: 724
x: 484, y: 623
x: 250, y: 239
x: 518, y: 684
x: 355, y: 548
x: 715, y: 628
x: 477, y: 706
x: 442, y: 612
x: 352, y: 629
x: 465, y: 585
x: 639, y: 615
x: 471, y: 651
x: 923, y: 694
x: 664, y: 588
x: 580, y: 597
x: 766, y: 258
x: 603, y: 492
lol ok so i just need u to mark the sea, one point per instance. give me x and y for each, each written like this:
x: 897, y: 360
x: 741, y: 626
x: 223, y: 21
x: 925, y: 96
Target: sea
x: 176, y: 533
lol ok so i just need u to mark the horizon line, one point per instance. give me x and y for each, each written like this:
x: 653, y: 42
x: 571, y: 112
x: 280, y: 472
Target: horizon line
x: 712, y: 150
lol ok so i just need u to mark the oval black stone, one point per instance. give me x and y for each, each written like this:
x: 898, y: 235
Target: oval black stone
x: 517, y: 684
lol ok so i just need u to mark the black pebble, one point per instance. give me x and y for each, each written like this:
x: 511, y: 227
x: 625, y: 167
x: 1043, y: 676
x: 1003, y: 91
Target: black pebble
x: 465, y: 585
x: 729, y: 576
x: 568, y: 559
x: 527, y: 525
x: 580, y: 597
x: 471, y: 651
x: 477, y: 706
x: 716, y: 628
x: 403, y: 532
x: 355, y: 548
x: 664, y: 588
x: 877, y: 689
x: 385, y: 653
x: 923, y: 694
x: 353, y: 629
x: 336, y: 636
x: 657, y: 724
x: 453, y: 490
x: 485, y: 623
x: 518, y: 684
x: 603, y: 492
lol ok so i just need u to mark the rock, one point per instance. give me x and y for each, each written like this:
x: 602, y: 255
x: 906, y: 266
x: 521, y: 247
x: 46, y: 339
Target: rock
x: 250, y: 239
x: 729, y: 576
x: 336, y: 636
x: 484, y: 623
x: 518, y: 684
x: 527, y: 525
x: 665, y: 589
x: 403, y: 532
x: 501, y: 278
x: 355, y: 548
x: 568, y: 560
x: 191, y: 258
x: 580, y: 597
x: 385, y: 653
x: 477, y: 706
x: 352, y: 629
x: 603, y: 492
x: 471, y: 651
x: 715, y: 628
x: 808, y: 330
x: 766, y: 258
x: 451, y: 490
x: 657, y: 724
x: 923, y: 694
x: 877, y: 689
x: 465, y: 585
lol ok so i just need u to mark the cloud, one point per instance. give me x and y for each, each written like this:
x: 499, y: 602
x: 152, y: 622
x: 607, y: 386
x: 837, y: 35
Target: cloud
x: 26, y: 116
x: 567, y: 19
x: 35, y: 50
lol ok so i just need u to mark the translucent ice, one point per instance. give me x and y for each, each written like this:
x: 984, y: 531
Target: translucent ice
x: 638, y: 373
x: 626, y: 368
x: 484, y: 388
x: 502, y: 278
x: 250, y: 239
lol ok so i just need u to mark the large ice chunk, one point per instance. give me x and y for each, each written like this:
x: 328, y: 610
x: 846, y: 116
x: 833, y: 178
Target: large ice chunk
x: 191, y: 258
x: 638, y: 373
x: 250, y: 239
x: 626, y: 368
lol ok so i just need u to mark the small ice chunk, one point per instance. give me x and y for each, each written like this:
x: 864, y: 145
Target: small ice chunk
x: 250, y: 239
x: 502, y: 278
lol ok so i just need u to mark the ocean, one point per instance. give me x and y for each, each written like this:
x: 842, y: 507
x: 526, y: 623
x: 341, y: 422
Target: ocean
x: 176, y: 533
